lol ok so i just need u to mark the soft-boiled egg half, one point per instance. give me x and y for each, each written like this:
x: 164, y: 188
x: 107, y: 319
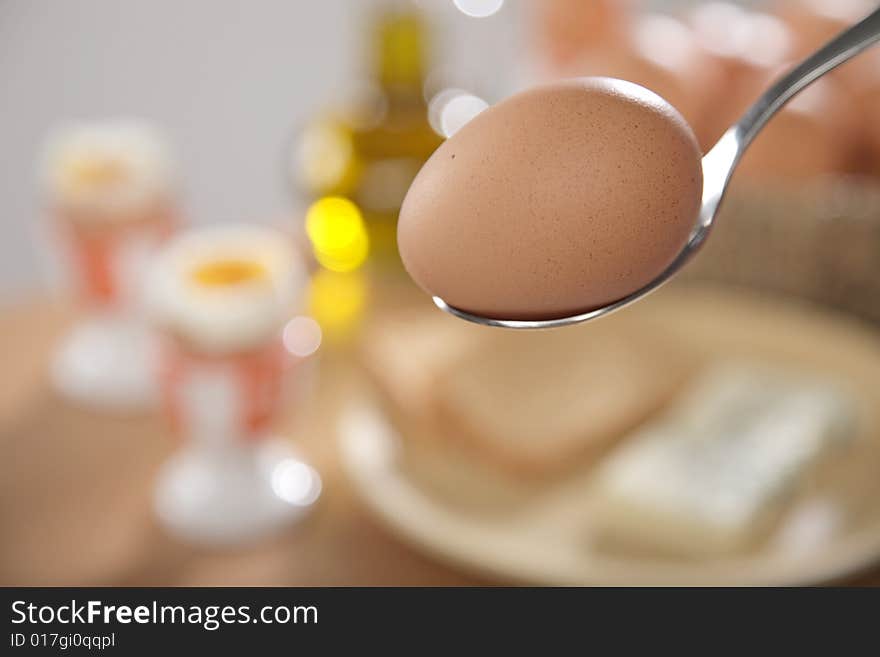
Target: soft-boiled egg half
x: 107, y: 170
x: 226, y: 289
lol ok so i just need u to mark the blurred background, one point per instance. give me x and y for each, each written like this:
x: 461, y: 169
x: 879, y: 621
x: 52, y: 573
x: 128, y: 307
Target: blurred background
x: 271, y: 69
x: 725, y: 431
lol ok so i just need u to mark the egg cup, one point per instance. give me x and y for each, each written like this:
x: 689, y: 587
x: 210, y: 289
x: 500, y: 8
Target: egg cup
x: 110, y: 193
x: 233, y: 479
x: 108, y: 358
x: 223, y: 298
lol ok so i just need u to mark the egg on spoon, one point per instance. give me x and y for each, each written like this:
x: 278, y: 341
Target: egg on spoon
x: 566, y: 197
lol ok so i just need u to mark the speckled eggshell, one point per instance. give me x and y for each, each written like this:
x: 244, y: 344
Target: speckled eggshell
x: 556, y: 201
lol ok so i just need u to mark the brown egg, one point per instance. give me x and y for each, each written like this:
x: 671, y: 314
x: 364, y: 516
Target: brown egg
x: 859, y: 78
x: 866, y: 108
x: 862, y: 73
x: 558, y: 200
x: 747, y: 47
x: 810, y: 137
x: 873, y: 138
x: 569, y: 28
x: 816, y: 21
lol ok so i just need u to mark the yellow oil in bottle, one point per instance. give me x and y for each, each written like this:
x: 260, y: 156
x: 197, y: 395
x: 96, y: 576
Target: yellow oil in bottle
x: 369, y: 152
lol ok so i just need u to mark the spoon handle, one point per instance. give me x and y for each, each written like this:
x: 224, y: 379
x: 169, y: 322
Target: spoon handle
x: 843, y: 47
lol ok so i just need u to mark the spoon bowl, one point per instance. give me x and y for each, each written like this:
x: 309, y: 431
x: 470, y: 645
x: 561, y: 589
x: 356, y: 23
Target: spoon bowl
x: 718, y: 165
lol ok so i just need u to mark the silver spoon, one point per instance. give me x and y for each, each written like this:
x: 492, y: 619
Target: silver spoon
x: 718, y: 166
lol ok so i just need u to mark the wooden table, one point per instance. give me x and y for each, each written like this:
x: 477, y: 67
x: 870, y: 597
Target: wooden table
x: 76, y: 487
x: 76, y: 490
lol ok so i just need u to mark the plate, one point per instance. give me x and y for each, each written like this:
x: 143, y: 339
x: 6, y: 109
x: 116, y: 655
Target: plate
x: 828, y: 532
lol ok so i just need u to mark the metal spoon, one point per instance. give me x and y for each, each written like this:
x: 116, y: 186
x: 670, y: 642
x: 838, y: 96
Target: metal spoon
x: 719, y: 164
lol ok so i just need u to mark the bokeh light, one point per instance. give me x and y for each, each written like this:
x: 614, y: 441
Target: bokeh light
x: 436, y: 103
x: 337, y: 301
x: 663, y: 40
x: 450, y: 109
x: 338, y: 234
x: 479, y: 8
x: 721, y: 28
x: 302, y: 336
x: 728, y: 30
x: 771, y: 40
x: 324, y: 159
x: 295, y: 482
x: 459, y: 111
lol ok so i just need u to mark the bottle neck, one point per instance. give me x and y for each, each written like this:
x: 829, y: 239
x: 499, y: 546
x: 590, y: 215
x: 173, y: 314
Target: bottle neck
x: 400, y: 54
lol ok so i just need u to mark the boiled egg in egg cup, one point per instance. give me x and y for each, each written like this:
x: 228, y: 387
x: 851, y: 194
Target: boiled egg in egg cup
x: 224, y: 299
x: 110, y: 191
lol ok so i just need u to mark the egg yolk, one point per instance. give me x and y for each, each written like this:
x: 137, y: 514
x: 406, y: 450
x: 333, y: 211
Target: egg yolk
x: 226, y: 273
x: 89, y: 173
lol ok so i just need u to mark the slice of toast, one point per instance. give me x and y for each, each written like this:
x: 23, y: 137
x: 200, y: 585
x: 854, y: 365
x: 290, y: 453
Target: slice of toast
x: 404, y: 353
x: 535, y: 403
x: 522, y: 404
